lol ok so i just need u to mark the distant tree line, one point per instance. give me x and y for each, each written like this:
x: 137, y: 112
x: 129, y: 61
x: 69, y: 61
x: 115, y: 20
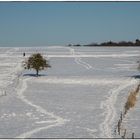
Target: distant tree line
x: 122, y: 43
x: 112, y: 43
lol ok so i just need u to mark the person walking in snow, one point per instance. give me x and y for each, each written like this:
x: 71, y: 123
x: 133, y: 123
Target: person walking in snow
x: 24, y: 54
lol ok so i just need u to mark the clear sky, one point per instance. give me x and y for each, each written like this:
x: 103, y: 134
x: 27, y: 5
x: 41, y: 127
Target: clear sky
x: 61, y: 23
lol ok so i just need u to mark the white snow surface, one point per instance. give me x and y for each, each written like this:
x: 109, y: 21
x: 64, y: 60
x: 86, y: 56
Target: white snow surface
x: 81, y: 96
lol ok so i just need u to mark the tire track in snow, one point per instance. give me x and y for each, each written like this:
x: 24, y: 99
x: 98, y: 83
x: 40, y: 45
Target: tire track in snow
x: 57, y: 122
x: 78, y: 60
x: 109, y: 107
x: 82, y: 63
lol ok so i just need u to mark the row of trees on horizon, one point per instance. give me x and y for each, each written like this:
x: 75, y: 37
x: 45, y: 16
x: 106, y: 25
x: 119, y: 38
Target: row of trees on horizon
x: 112, y: 43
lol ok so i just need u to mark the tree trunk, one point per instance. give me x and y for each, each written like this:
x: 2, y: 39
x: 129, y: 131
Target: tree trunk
x: 37, y: 72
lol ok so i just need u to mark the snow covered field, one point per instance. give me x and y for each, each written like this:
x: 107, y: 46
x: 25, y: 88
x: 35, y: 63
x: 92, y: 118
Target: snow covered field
x: 81, y: 96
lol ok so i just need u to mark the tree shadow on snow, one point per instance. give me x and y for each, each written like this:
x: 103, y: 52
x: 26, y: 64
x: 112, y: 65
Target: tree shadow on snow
x: 34, y: 75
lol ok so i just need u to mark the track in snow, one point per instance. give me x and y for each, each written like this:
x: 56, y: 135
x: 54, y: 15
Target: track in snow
x: 78, y: 60
x: 109, y: 109
x: 57, y: 122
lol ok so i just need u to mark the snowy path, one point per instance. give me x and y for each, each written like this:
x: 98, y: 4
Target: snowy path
x: 8, y: 69
x: 78, y: 60
x: 58, y: 121
x: 109, y: 109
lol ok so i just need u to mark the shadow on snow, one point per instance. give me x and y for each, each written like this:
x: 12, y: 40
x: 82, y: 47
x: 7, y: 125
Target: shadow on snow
x: 34, y: 75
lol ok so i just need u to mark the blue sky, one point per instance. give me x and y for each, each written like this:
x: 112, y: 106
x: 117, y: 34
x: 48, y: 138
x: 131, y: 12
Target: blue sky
x: 61, y: 23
